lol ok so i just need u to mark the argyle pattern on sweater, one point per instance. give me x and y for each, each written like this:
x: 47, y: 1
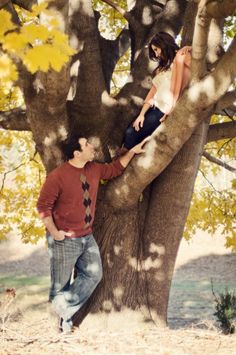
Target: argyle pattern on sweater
x: 87, y: 201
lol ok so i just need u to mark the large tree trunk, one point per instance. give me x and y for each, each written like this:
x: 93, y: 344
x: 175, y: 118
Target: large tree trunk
x: 139, y: 245
x: 165, y: 222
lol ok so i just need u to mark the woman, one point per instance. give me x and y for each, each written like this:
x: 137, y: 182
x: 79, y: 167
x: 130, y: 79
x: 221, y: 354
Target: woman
x: 171, y: 77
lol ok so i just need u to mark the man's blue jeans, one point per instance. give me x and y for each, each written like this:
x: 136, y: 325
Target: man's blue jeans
x: 82, y: 254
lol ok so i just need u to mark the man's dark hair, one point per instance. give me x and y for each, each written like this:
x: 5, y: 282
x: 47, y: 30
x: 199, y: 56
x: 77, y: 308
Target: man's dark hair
x: 70, y: 145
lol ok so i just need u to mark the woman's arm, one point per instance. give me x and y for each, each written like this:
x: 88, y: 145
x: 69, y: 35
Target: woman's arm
x: 138, y: 123
x: 178, y: 77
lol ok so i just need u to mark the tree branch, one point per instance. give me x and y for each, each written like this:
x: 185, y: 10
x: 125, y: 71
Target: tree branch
x: 123, y: 12
x: 224, y: 69
x: 111, y: 52
x: 14, y: 169
x: 25, y: 4
x: 220, y: 9
x: 220, y: 131
x: 15, y: 120
x: 227, y: 104
x: 8, y: 6
x: 188, y: 27
x: 200, y: 38
x: 218, y: 161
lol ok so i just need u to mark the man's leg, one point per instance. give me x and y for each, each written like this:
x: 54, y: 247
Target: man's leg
x: 89, y: 274
x: 63, y: 256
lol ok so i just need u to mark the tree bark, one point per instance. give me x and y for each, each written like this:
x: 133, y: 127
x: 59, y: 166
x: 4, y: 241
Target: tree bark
x: 14, y: 120
x: 165, y: 220
x: 221, y: 131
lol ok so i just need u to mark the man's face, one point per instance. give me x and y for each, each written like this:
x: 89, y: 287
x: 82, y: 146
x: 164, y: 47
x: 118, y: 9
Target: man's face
x: 87, y: 150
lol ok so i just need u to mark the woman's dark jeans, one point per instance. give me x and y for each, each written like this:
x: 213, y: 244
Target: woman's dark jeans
x: 151, y: 122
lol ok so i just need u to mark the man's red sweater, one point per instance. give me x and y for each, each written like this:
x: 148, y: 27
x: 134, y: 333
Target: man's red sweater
x: 69, y: 194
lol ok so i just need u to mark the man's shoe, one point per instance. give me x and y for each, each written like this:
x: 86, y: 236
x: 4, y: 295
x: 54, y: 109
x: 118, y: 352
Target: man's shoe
x: 54, y: 319
x: 67, y: 326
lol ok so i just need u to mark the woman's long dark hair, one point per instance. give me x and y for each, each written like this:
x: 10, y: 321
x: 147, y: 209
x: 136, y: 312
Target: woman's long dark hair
x: 168, y: 47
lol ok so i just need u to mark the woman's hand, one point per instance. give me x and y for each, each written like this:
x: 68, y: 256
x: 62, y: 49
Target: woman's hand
x: 163, y: 118
x: 185, y: 50
x: 138, y: 123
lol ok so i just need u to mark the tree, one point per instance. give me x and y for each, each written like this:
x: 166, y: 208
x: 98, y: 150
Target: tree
x: 140, y: 215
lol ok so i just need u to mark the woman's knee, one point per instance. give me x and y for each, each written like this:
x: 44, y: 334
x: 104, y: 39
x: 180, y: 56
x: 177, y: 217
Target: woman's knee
x: 130, y: 132
x: 130, y: 137
x: 152, y: 119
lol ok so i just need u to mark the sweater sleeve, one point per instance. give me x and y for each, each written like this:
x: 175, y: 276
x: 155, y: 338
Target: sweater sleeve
x: 110, y: 170
x: 48, y: 195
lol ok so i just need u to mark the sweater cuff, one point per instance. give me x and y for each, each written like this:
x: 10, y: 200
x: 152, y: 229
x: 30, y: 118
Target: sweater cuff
x: 44, y: 214
x: 119, y: 165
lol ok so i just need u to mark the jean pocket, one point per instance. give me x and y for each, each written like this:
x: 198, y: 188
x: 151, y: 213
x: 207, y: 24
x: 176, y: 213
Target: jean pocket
x: 50, y: 241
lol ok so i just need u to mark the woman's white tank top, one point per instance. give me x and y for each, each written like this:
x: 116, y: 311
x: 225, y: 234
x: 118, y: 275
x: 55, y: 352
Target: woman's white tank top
x: 163, y: 97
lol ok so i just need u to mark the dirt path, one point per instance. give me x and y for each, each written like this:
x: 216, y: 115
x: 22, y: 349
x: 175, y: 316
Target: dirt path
x: 192, y: 328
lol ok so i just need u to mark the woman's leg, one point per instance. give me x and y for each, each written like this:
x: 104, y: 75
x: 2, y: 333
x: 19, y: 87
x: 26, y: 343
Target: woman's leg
x: 151, y: 122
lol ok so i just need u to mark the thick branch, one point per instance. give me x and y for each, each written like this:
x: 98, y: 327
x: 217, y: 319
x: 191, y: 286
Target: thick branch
x: 222, y: 77
x: 220, y: 9
x: 149, y: 17
x: 220, y: 131
x: 91, y: 90
x: 227, y: 104
x: 165, y: 143
x: 218, y: 161
x: 25, y: 4
x: 111, y: 52
x: 14, y: 120
x: 8, y: 6
x: 188, y: 25
x: 202, y: 26
x: 123, y: 12
x: 215, y: 48
x: 3, y: 3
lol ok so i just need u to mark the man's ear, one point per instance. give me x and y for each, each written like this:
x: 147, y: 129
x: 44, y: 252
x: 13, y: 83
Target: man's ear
x: 76, y: 153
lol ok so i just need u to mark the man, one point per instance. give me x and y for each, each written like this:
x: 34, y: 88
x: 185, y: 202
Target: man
x: 67, y: 206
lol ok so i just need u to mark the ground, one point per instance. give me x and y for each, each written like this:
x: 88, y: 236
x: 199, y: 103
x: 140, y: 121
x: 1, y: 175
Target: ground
x: 192, y: 326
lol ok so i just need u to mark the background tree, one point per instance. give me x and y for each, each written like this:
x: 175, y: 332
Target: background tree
x: 140, y: 215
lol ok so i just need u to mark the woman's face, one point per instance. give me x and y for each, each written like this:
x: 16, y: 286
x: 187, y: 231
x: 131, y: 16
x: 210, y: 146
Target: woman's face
x: 156, y: 50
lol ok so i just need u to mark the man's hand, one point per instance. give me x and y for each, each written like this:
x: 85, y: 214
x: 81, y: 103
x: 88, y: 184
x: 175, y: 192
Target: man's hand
x: 60, y: 235
x: 137, y: 149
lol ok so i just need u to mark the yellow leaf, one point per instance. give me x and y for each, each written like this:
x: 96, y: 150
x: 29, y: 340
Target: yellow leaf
x: 37, y: 9
x: 5, y: 23
x: 44, y: 56
x: 8, y: 70
x: 15, y: 42
x: 35, y: 32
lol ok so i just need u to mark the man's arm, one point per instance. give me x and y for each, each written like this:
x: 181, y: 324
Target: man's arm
x: 49, y: 193
x: 137, y: 149
x: 54, y: 232
x: 116, y: 168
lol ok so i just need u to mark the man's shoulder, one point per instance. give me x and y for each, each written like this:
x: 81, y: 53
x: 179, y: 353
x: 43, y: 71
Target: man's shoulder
x: 59, y: 170
x: 93, y: 166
